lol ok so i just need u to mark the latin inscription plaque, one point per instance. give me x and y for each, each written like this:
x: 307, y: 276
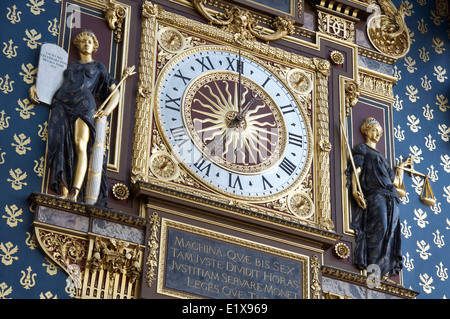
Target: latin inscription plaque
x: 218, y: 269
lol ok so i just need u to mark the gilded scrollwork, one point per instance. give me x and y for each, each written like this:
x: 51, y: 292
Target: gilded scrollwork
x: 64, y: 249
x: 387, y: 29
x: 316, y: 288
x: 352, y: 93
x: 242, y: 24
x: 115, y: 16
x: 153, y: 247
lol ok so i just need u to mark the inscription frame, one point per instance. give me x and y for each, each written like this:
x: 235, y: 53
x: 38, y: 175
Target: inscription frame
x: 167, y: 224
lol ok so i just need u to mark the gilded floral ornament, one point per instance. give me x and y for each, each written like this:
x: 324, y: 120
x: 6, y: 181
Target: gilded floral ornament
x: 342, y: 250
x: 242, y: 24
x: 387, y: 29
x: 120, y: 191
x: 337, y: 57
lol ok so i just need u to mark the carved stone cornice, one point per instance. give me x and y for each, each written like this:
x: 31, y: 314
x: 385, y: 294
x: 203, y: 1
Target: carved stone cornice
x: 238, y: 210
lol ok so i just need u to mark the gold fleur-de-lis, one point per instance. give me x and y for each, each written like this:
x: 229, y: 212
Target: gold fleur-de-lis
x: 5, y: 291
x: 438, y: 239
x: 427, y: 112
x: 35, y: 6
x: 444, y: 132
x: 441, y: 102
x: 7, y: 252
x: 31, y: 241
x: 436, y: 19
x: 423, y: 27
x: 53, y: 27
x: 438, y: 45
x: 22, y: 142
x: 33, y: 37
x: 25, y: 108
x: 2, y: 157
x: 441, y: 271
x: 398, y: 104
x: 29, y: 74
x: 424, y: 54
x: 43, y: 131
x: 412, y: 91
x: 10, y: 50
x: 51, y: 268
x: 439, y: 73
x: 410, y: 64
x: 4, y: 121
x: 426, y: 84
x: 6, y: 86
x: 17, y: 178
x: 407, y: 261
x: 13, y: 16
x: 413, y: 123
x: 39, y: 167
x: 12, y: 214
x: 47, y: 295
x: 27, y: 280
x: 430, y: 143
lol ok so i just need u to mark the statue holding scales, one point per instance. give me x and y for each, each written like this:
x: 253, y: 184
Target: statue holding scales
x: 73, y: 128
x: 374, y: 187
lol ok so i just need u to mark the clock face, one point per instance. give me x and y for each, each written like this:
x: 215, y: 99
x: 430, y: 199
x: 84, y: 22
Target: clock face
x: 238, y: 129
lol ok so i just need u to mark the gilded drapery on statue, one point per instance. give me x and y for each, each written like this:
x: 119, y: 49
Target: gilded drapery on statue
x: 375, y: 218
x: 71, y: 132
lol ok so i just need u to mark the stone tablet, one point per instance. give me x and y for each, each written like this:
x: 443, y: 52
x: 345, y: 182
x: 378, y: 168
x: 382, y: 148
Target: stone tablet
x: 52, y: 63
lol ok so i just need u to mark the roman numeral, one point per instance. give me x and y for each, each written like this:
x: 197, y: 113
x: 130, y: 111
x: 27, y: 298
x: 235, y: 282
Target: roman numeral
x: 201, y: 166
x: 265, y: 82
x: 236, y: 181
x: 266, y: 182
x: 231, y: 65
x: 175, y: 101
x: 287, y: 109
x: 181, y: 76
x: 203, y: 64
x: 295, y: 139
x: 287, y: 166
x: 179, y: 135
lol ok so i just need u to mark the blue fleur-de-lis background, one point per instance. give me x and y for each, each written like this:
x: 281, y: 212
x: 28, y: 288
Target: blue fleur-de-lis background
x: 421, y: 129
x: 24, y: 271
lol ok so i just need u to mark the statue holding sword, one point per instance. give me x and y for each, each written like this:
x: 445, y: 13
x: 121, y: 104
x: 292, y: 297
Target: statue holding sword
x: 73, y: 131
x: 375, y: 218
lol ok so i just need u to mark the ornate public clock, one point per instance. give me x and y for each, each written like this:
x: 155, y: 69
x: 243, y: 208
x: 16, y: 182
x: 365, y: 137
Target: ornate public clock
x: 234, y: 123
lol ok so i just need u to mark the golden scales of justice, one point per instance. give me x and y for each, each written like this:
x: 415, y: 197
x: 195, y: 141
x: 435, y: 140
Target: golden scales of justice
x: 426, y: 195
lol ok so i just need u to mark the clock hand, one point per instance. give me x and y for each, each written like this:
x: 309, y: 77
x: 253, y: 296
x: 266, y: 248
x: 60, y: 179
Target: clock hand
x: 240, y: 82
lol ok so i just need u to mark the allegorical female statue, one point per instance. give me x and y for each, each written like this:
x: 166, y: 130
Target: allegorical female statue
x: 71, y: 130
x: 376, y: 217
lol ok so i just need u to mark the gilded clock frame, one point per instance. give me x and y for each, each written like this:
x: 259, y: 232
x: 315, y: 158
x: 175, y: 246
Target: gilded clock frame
x: 147, y: 139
